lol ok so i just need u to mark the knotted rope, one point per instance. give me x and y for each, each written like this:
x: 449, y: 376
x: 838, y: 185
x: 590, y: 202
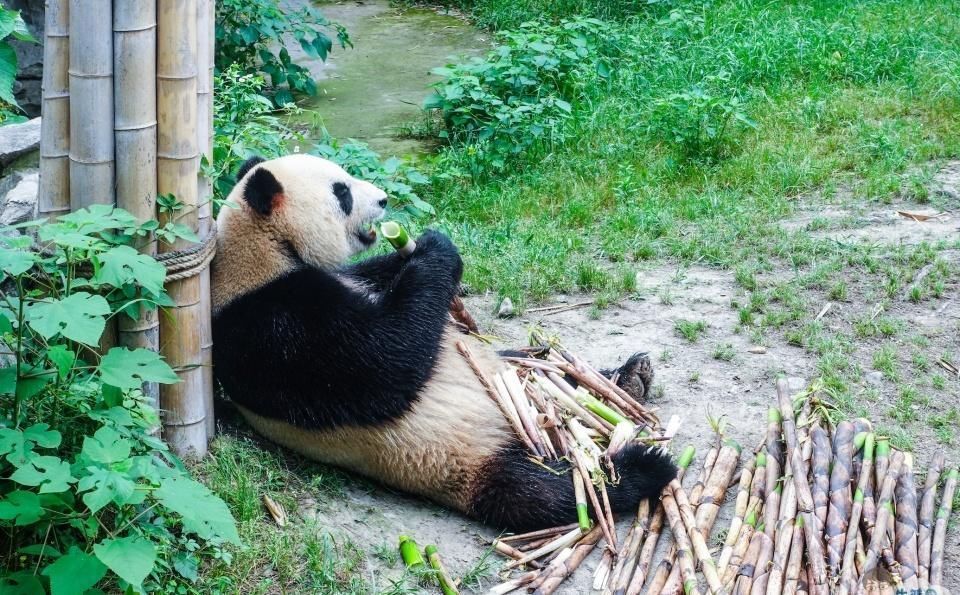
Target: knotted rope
x: 189, y: 262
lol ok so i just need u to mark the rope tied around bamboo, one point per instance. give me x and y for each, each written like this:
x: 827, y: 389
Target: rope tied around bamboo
x: 192, y: 260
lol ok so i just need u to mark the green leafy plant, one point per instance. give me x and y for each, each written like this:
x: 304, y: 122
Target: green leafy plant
x: 395, y: 177
x: 245, y: 124
x: 697, y: 122
x: 90, y: 496
x: 254, y: 34
x: 524, y: 90
x: 11, y: 26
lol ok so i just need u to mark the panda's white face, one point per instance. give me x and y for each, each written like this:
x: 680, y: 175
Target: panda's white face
x: 298, y: 208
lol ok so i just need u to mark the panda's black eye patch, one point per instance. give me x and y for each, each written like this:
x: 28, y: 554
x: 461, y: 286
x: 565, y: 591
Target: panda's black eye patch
x: 342, y: 192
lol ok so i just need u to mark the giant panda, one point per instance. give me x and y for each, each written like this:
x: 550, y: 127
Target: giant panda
x: 354, y: 364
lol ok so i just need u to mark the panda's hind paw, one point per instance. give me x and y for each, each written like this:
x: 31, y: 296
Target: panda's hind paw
x: 635, y: 376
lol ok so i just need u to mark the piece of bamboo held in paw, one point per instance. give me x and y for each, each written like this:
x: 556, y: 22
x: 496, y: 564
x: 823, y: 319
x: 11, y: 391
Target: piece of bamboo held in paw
x: 405, y: 245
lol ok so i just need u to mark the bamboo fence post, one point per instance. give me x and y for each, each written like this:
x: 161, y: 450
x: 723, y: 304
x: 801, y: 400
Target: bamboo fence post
x: 184, y: 404
x: 205, y: 49
x: 91, y: 111
x: 54, y: 198
x: 135, y: 136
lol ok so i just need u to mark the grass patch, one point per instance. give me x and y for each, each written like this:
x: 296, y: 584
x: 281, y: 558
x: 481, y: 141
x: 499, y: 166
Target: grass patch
x: 691, y: 330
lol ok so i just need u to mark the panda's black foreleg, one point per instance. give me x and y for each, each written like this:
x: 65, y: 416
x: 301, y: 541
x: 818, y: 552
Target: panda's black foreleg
x: 379, y: 271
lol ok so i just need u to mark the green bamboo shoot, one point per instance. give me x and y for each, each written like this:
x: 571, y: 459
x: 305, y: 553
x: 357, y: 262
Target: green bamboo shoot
x: 446, y: 584
x: 410, y: 553
x: 398, y: 238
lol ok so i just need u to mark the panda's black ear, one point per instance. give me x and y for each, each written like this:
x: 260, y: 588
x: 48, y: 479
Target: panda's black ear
x: 248, y: 165
x: 262, y: 190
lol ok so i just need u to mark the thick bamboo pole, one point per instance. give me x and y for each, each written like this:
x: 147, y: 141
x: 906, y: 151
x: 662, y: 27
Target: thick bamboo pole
x: 184, y: 420
x: 55, y: 126
x: 205, y: 47
x: 91, y: 111
x: 135, y: 136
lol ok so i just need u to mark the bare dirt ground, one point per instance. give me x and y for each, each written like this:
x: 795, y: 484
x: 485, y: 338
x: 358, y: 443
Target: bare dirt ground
x: 693, y: 382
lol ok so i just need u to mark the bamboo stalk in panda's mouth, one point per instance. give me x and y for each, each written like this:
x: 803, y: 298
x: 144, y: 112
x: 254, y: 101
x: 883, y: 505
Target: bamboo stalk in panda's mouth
x: 405, y: 245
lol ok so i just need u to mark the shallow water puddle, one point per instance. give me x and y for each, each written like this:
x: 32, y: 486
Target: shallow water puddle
x: 368, y: 91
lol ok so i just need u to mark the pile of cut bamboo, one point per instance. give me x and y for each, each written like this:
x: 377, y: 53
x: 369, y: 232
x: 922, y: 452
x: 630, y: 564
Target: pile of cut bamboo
x: 585, y: 425
x: 818, y: 508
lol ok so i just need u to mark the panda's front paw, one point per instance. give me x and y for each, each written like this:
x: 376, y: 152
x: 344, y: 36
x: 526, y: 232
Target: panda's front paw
x: 635, y: 376
x: 437, y: 249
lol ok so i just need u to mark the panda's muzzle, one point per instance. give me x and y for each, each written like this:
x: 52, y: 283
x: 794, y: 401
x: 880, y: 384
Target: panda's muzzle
x: 368, y: 237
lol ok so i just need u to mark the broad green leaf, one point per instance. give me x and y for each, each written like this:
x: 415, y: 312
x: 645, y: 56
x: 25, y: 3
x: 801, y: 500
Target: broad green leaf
x: 185, y: 563
x: 18, y: 445
x: 40, y: 549
x: 131, y: 558
x: 106, y: 446
x: 11, y: 23
x: 78, y: 317
x: 15, y: 261
x: 50, y: 473
x: 8, y: 72
x: 122, y: 265
x: 129, y: 369
x: 202, y: 512
x: 74, y: 573
x: 21, y: 583
x: 63, y: 358
x: 106, y: 486
x: 23, y: 508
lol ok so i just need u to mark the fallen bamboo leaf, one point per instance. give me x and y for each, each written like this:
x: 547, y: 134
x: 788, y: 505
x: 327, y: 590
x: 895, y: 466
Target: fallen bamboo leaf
x: 919, y: 217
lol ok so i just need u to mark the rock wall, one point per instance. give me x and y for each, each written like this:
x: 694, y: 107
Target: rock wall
x: 29, y: 56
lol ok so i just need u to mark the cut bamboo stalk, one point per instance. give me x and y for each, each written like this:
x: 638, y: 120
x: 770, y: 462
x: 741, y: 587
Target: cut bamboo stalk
x: 580, y: 495
x: 761, y: 573
x: 623, y: 569
x: 792, y: 573
x: 685, y: 560
x: 521, y: 405
x: 555, y: 544
x: 940, y: 529
x: 54, y: 194
x: 135, y: 137
x: 580, y: 460
x: 928, y: 502
x: 905, y: 549
x: 820, y: 471
x: 656, y: 526
x: 570, y: 403
x: 184, y: 404
x: 711, y: 497
x: 91, y: 110
x: 848, y: 564
x: 512, y: 552
x: 561, y: 572
x: 783, y: 535
x: 660, y: 576
x: 701, y: 551
x: 884, y: 516
x: 775, y: 459
x: 805, y: 502
x: 514, y: 584
x: 447, y: 586
x: 206, y: 39
x: 728, y: 574
x: 602, y: 573
x: 551, y: 532
x: 739, y: 511
x: 881, y: 464
x: 509, y: 409
x: 743, y: 579
x: 838, y: 513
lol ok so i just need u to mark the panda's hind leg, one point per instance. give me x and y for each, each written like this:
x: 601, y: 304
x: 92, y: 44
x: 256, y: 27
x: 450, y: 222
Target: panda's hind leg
x: 635, y: 376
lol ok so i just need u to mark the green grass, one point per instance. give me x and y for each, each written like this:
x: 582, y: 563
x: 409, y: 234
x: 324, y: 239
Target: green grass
x: 856, y: 95
x: 691, y: 330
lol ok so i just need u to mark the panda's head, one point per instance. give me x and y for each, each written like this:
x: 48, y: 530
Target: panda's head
x: 286, y: 212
